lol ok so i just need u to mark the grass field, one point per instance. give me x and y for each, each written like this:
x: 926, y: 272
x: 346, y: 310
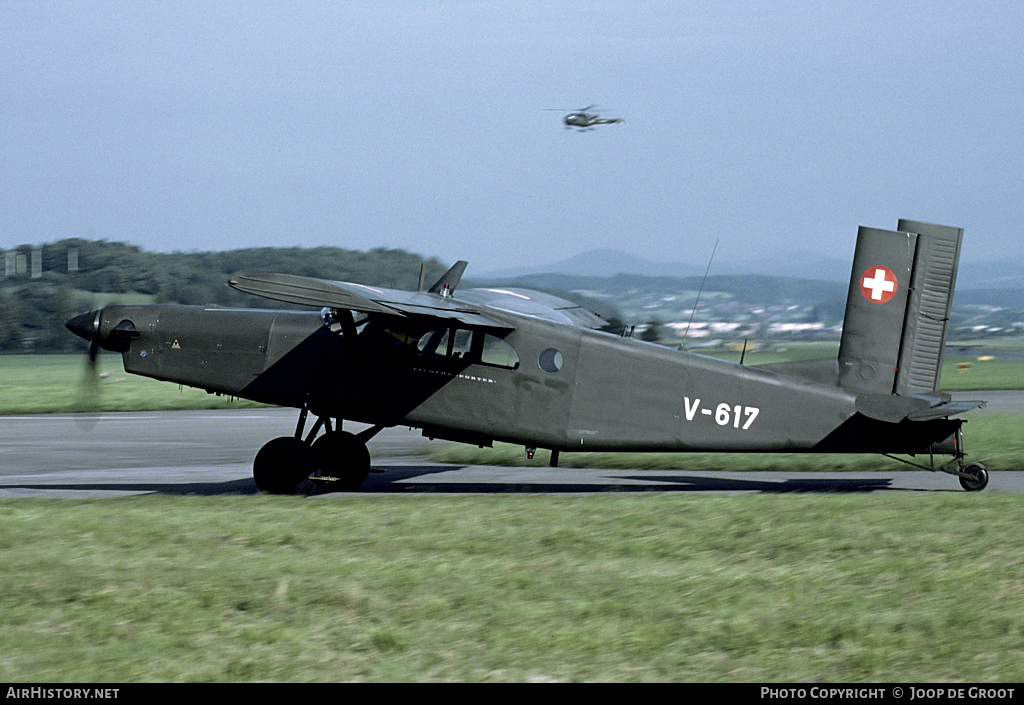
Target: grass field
x: 42, y: 384
x: 960, y: 371
x: 835, y: 588
x: 915, y: 587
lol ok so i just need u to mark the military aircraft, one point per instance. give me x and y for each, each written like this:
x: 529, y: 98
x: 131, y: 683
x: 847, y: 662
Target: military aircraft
x: 524, y: 367
x: 584, y: 121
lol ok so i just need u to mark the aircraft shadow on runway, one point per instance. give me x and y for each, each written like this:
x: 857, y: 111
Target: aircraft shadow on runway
x: 234, y: 487
x: 405, y: 480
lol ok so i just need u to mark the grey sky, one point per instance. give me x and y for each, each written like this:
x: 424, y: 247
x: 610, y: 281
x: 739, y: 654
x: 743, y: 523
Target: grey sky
x: 775, y: 126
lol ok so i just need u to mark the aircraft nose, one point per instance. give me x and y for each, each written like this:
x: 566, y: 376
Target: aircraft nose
x: 97, y: 327
x: 85, y: 325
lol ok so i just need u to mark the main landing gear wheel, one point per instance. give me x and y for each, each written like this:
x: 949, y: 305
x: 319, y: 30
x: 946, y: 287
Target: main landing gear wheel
x: 283, y: 466
x: 977, y: 480
x: 343, y: 459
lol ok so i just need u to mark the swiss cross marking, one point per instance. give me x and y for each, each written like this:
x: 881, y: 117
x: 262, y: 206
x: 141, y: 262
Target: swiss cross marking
x: 878, y: 284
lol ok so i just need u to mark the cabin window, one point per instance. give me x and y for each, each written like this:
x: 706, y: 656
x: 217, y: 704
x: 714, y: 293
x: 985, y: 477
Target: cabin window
x: 497, y: 353
x: 457, y: 344
x: 442, y: 343
x: 397, y: 338
x: 462, y: 344
x: 550, y: 360
x: 430, y: 343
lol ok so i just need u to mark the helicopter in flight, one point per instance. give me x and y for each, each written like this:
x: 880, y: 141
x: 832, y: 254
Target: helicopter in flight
x: 583, y: 121
x: 480, y: 365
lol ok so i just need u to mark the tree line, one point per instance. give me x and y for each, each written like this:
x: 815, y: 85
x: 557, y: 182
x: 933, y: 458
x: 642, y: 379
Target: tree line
x: 44, y: 286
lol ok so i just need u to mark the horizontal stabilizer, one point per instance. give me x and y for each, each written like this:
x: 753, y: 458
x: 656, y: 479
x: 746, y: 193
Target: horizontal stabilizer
x: 893, y: 408
x: 941, y: 411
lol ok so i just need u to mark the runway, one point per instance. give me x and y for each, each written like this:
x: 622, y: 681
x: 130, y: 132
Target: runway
x: 210, y: 453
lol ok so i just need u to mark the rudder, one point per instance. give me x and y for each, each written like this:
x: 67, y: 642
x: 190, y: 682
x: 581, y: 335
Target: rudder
x: 928, y: 310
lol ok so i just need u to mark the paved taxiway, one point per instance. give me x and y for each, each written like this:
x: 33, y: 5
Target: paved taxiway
x: 211, y: 452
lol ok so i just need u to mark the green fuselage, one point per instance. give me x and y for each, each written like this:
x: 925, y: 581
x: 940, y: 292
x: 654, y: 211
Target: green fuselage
x: 544, y: 384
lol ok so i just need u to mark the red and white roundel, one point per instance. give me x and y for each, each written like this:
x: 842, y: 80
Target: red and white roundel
x: 878, y: 284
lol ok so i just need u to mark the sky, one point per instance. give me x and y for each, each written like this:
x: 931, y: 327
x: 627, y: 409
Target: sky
x: 427, y: 125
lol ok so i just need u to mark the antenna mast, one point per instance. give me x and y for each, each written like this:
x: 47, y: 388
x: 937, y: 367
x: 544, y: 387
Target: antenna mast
x: 699, y: 291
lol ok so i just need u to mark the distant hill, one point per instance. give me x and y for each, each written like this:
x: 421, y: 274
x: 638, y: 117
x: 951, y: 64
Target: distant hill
x: 1004, y: 274
x: 607, y: 263
x: 1007, y: 274
x: 600, y: 263
x: 745, y: 288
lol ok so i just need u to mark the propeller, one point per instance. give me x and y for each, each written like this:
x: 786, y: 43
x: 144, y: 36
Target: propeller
x: 87, y: 326
x: 571, y: 110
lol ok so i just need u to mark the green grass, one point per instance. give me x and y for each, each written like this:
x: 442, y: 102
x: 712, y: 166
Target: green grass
x: 42, y: 384
x: 914, y: 587
x: 836, y: 588
x: 960, y: 372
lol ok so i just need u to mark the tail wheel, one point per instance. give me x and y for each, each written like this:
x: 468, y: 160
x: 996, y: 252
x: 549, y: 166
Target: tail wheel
x: 978, y: 477
x: 343, y: 459
x: 283, y: 466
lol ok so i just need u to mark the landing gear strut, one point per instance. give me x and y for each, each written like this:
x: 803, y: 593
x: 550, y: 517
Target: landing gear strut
x: 973, y: 477
x: 336, y: 461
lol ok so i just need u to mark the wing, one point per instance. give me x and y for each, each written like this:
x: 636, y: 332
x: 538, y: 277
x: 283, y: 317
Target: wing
x: 537, y: 304
x: 308, y: 291
x: 437, y: 302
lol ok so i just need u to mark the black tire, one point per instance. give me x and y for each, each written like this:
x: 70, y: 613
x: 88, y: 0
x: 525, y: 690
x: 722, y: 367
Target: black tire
x: 344, y: 456
x: 283, y: 466
x: 978, y: 479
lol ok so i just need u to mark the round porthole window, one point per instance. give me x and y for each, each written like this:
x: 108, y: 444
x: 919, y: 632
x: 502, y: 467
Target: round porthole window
x: 550, y: 360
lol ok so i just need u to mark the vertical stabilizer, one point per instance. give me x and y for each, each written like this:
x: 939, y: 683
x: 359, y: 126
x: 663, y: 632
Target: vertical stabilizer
x: 931, y: 299
x: 897, y: 308
x: 875, y: 308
